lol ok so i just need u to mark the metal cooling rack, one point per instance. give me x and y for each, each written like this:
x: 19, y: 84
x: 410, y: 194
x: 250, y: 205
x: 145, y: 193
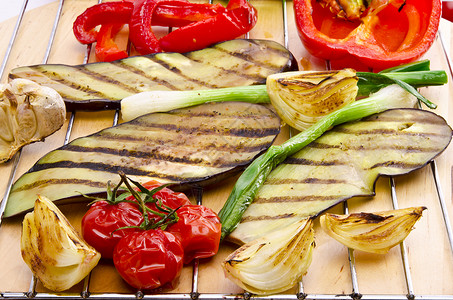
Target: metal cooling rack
x: 194, y: 294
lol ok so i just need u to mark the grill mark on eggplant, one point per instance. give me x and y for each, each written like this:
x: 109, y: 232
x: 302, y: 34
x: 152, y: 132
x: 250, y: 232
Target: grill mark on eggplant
x: 95, y: 184
x: 105, y: 78
x: 109, y: 168
x: 307, y: 162
x: 294, y: 199
x: 263, y: 218
x: 239, y: 132
x: 317, y: 145
x: 385, y: 131
x: 219, y: 163
x: 277, y: 181
x: 122, y: 64
x: 256, y: 78
x: 178, y: 72
x: 57, y: 78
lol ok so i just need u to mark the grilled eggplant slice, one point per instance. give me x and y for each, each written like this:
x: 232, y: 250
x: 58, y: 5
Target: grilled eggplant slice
x: 98, y: 86
x: 343, y: 163
x: 195, y: 145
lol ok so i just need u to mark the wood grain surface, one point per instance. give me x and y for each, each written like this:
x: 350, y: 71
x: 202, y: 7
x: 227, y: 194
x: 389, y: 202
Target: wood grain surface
x: 428, y: 248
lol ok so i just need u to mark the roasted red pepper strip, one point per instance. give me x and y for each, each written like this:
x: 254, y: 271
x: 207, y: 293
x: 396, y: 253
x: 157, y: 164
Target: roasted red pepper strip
x: 397, y: 34
x: 106, y: 48
x: 178, y: 15
x: 140, y: 32
x: 103, y: 13
x: 166, y: 14
x: 238, y: 19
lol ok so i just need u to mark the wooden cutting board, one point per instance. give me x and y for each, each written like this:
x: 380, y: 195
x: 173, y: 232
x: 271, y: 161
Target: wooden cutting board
x: 429, y: 253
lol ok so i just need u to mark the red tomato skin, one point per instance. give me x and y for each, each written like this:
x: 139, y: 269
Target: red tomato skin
x: 199, y: 230
x: 149, y: 259
x: 101, y: 221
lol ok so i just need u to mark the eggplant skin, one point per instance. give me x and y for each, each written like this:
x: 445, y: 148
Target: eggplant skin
x: 102, y: 85
x: 343, y: 163
x: 187, y: 147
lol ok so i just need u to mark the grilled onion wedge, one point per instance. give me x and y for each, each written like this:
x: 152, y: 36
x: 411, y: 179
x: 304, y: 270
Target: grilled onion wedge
x: 344, y: 162
x: 56, y: 254
x: 372, y: 232
x: 28, y: 113
x: 102, y: 85
x: 197, y: 145
x: 273, y: 263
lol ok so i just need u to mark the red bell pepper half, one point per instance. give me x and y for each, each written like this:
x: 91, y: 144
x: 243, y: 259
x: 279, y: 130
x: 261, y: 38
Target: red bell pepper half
x: 398, y: 32
x: 238, y: 19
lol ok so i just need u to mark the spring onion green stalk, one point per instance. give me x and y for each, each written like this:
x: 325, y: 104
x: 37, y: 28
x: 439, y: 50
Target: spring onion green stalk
x: 162, y: 101
x: 256, y: 173
x: 409, y: 76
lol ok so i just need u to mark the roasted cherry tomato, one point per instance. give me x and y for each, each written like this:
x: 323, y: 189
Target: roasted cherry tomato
x: 199, y: 230
x: 149, y: 259
x: 101, y: 223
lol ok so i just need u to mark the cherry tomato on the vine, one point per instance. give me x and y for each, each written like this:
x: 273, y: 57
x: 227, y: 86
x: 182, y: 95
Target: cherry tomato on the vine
x: 199, y: 230
x: 167, y: 196
x: 149, y: 259
x: 101, y: 222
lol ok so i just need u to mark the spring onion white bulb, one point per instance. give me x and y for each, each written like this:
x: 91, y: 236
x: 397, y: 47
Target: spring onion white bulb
x: 163, y: 101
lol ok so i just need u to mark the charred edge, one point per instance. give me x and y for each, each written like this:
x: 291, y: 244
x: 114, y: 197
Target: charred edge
x: 61, y: 181
x: 368, y: 217
x: 57, y: 78
x: 123, y: 64
x: 108, y: 168
x: 263, y: 218
x: 275, y: 181
x: 107, y: 79
x: 414, y: 115
x: 249, y: 55
x: 240, y: 132
x: 397, y: 164
x: 289, y: 199
x: 179, y: 72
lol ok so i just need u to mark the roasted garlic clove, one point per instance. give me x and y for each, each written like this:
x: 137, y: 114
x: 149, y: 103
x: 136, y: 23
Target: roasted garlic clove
x: 302, y: 98
x: 372, y: 232
x: 28, y: 113
x: 53, y: 250
x: 275, y: 262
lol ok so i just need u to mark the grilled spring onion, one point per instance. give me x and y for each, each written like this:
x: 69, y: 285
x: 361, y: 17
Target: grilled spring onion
x: 409, y: 77
x: 392, y: 96
x: 256, y: 173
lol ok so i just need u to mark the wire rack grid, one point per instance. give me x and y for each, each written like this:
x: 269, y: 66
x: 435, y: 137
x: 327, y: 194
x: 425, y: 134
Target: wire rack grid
x: 194, y: 293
